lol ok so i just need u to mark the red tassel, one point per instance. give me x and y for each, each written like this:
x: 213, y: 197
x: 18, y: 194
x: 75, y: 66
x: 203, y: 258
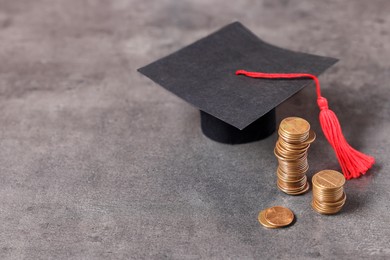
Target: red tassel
x: 353, y: 163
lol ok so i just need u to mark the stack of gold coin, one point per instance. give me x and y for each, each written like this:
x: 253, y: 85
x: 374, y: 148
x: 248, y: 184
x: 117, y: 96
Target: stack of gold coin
x: 276, y: 217
x: 328, y: 192
x: 291, y: 148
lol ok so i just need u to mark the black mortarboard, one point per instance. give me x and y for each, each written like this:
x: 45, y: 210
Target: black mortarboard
x: 234, y: 109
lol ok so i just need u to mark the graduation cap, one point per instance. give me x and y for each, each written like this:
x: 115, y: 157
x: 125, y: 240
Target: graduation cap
x: 236, y: 109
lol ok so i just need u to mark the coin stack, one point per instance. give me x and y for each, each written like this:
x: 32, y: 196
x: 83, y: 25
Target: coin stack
x: 328, y: 192
x: 276, y: 217
x: 291, y: 148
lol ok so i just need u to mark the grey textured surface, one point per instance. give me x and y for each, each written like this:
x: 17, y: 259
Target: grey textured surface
x: 97, y: 162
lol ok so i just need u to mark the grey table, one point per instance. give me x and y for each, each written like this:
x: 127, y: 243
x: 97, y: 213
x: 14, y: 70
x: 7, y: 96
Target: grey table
x: 97, y: 162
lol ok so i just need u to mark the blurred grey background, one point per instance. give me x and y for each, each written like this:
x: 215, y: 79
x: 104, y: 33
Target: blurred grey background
x: 97, y: 162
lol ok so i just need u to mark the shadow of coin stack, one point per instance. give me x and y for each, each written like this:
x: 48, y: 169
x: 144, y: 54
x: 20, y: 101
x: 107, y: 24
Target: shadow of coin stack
x: 291, y: 148
x: 328, y: 192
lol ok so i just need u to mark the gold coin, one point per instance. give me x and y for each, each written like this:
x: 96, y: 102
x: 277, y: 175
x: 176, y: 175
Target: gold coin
x: 328, y: 179
x: 301, y: 156
x: 312, y: 137
x: 337, y: 203
x: 300, y: 191
x: 279, y: 216
x: 286, y: 154
x: 293, y: 185
x: 293, y: 171
x: 295, y: 146
x: 263, y: 221
x: 294, y: 126
x: 288, y: 178
x: 325, y: 210
x: 290, y: 139
x: 327, y: 196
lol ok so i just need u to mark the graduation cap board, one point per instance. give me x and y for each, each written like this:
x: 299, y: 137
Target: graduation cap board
x: 234, y: 109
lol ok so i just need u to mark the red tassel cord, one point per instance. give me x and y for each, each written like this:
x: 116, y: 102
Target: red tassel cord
x: 353, y: 163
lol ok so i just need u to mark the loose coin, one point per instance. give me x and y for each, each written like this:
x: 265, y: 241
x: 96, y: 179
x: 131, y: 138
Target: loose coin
x: 263, y: 221
x: 279, y: 216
